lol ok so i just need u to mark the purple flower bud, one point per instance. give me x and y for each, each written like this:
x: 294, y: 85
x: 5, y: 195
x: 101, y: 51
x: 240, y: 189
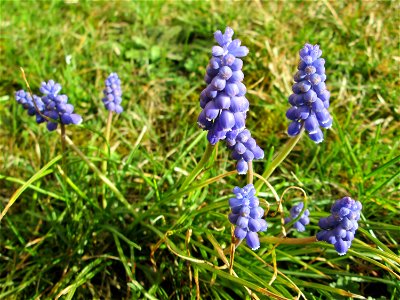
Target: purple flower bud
x: 317, y: 136
x: 239, y: 104
x: 225, y: 72
x: 242, y: 167
x: 237, y: 76
x: 301, y: 87
x: 311, y: 124
x: 231, y: 89
x: 294, y: 128
x: 226, y: 120
x: 229, y: 60
x: 240, y: 233
x: 222, y: 101
x: 240, y: 121
x: 218, y: 83
x: 237, y: 64
x: 242, y: 89
x: 211, y: 111
x: 240, y: 51
x: 217, y: 51
x: 248, y: 156
x: 252, y: 240
x: 244, y: 136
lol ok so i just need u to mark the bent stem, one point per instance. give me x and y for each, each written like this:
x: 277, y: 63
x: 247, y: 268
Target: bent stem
x: 106, y: 150
x: 288, y: 241
x: 279, y: 158
x: 196, y: 171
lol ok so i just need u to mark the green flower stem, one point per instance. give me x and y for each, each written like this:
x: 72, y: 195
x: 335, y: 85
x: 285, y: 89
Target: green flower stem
x: 196, y: 171
x: 103, y: 177
x: 106, y: 150
x: 62, y: 135
x: 279, y: 158
x: 288, y: 241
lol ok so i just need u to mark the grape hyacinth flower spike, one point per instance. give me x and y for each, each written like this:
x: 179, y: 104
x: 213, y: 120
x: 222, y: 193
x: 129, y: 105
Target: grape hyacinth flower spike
x: 57, y: 106
x: 52, y: 105
x: 300, y: 225
x: 340, y: 227
x: 224, y: 103
x: 246, y: 215
x: 310, y: 98
x: 113, y: 94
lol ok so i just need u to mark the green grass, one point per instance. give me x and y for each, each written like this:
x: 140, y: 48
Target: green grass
x: 58, y: 241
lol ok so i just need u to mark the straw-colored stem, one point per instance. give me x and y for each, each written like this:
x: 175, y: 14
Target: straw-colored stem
x: 106, y: 150
x: 250, y: 173
x: 288, y: 241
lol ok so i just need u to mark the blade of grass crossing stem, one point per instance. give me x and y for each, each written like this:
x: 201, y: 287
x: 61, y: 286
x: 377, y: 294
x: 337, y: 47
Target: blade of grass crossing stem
x: 41, y: 173
x: 122, y: 257
x: 383, y: 167
x: 104, y: 178
x: 121, y: 236
x: 84, y: 276
x: 33, y: 187
x: 75, y: 188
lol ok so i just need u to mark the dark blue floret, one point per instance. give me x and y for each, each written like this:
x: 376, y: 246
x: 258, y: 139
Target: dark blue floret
x: 340, y: 227
x: 300, y: 225
x: 246, y: 215
x: 310, y: 98
x: 113, y: 94
x: 223, y: 100
x: 26, y: 101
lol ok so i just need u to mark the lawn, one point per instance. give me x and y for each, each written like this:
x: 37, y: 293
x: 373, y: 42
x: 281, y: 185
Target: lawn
x: 138, y: 229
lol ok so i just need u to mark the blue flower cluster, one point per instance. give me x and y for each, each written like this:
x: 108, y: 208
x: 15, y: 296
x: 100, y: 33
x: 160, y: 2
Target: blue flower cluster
x: 113, y: 94
x: 223, y: 101
x: 26, y: 101
x: 247, y: 215
x: 310, y: 98
x: 244, y: 149
x: 300, y: 225
x: 51, y: 105
x: 340, y: 227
